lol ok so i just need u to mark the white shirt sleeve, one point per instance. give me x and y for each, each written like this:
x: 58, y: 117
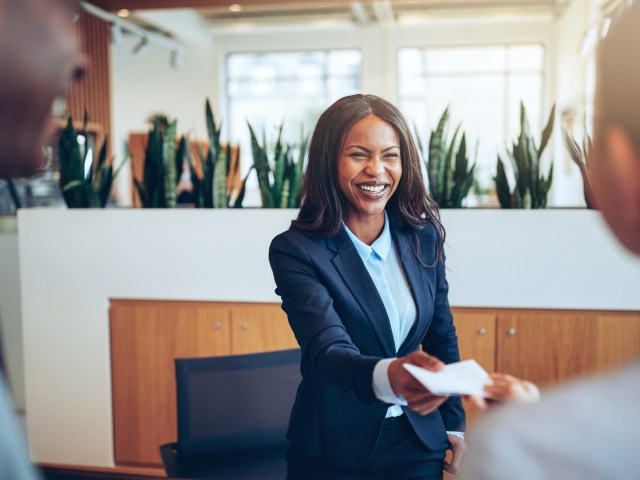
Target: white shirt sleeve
x: 382, y: 386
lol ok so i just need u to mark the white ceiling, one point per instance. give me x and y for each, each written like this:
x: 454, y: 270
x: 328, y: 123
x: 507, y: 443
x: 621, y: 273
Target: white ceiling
x: 372, y: 11
x: 191, y: 24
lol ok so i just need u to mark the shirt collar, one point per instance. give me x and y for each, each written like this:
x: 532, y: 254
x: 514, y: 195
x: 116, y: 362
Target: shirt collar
x: 381, y: 246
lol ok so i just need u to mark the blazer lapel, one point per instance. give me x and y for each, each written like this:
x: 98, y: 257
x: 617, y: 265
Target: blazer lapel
x: 355, y: 275
x: 421, y: 290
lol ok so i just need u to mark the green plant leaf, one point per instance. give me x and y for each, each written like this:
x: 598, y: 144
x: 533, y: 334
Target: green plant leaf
x: 261, y: 165
x: 280, y: 165
x: 169, y: 151
x: 435, y: 165
x: 220, y: 182
x: 548, y: 130
x: 298, y: 174
x: 240, y: 198
x: 502, y: 186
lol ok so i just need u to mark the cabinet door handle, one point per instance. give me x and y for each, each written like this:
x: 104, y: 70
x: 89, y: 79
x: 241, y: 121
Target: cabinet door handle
x: 482, y: 332
x: 244, y: 326
x: 217, y: 325
x: 511, y: 332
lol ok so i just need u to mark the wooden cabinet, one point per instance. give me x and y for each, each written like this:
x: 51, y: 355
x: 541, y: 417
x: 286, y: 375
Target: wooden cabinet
x: 476, y: 330
x: 543, y: 346
x: 548, y: 346
x: 146, y: 337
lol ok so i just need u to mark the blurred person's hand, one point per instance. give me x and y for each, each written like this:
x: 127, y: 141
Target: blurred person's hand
x: 506, y: 388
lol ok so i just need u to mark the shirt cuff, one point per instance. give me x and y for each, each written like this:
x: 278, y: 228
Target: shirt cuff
x: 457, y: 434
x: 382, y: 386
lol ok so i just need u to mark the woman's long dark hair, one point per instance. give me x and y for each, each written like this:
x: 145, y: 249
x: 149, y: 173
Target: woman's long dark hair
x: 324, y: 207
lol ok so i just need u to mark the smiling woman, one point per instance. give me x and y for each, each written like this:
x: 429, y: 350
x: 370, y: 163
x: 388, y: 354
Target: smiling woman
x: 362, y: 280
x: 369, y: 171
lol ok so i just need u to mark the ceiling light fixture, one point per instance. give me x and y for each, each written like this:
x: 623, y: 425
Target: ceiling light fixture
x: 359, y: 11
x: 119, y: 26
x: 116, y: 34
x: 141, y: 47
x: 124, y: 13
x: 235, y: 7
x: 384, y: 12
x: 176, y: 59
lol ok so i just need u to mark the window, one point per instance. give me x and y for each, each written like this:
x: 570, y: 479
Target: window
x: 483, y: 87
x: 267, y: 89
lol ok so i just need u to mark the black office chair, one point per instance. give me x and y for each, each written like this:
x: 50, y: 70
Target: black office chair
x: 233, y: 414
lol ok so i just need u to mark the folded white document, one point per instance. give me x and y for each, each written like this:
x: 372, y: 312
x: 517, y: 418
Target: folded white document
x: 462, y: 378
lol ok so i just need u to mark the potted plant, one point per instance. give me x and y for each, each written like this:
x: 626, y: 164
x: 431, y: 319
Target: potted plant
x: 447, y: 164
x: 531, y: 186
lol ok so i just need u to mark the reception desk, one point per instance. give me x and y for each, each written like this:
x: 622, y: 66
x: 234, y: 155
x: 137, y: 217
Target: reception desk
x: 73, y: 264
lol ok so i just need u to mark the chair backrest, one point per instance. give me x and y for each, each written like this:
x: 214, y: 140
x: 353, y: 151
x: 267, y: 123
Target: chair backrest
x: 235, y: 402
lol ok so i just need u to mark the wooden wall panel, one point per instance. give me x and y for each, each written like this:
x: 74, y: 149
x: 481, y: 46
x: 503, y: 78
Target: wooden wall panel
x: 92, y: 92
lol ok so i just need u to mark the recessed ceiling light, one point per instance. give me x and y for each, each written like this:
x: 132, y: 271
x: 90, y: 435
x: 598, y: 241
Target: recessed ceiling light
x: 235, y: 7
x: 123, y: 13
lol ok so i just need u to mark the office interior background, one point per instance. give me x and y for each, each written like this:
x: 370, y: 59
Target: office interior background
x: 65, y: 279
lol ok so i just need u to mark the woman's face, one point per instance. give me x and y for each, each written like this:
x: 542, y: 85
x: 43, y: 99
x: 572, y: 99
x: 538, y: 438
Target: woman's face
x: 369, y: 167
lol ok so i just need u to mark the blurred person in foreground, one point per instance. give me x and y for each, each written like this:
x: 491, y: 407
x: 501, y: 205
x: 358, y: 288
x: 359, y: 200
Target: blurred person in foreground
x: 38, y: 58
x: 587, y: 430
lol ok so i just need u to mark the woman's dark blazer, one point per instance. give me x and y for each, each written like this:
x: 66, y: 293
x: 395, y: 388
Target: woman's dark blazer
x: 342, y: 326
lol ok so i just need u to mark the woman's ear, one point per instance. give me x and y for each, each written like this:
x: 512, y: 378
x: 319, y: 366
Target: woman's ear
x: 616, y: 184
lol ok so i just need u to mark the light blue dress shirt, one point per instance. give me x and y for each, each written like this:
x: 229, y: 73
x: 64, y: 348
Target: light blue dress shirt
x: 383, y: 264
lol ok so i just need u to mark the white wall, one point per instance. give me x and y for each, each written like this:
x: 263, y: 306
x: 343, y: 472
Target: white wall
x: 143, y: 86
x: 10, y: 309
x: 528, y: 259
x: 571, y: 82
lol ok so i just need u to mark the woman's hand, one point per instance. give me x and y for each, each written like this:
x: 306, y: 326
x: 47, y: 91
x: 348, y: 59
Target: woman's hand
x: 458, y: 447
x: 418, y: 398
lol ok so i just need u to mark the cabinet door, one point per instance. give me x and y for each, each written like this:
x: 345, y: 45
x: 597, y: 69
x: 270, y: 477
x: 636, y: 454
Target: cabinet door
x: 618, y: 339
x: 476, y: 330
x: 260, y: 327
x: 547, y: 347
x: 146, y: 336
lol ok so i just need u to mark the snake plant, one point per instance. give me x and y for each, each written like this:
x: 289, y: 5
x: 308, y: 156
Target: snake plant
x: 212, y: 189
x: 531, y: 186
x: 448, y: 171
x: 158, y: 186
x: 84, y: 187
x: 580, y: 155
x: 279, y: 172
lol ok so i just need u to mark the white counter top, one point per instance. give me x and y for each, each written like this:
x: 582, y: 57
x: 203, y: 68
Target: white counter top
x: 73, y: 262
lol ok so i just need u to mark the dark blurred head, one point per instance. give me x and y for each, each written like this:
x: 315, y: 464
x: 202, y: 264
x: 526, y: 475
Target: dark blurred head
x: 615, y: 160
x: 324, y: 206
x: 38, y: 59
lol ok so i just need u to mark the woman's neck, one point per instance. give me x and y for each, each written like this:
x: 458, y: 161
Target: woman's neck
x: 368, y: 228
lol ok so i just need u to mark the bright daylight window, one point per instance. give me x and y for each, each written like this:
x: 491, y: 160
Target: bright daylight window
x: 268, y: 89
x: 483, y: 87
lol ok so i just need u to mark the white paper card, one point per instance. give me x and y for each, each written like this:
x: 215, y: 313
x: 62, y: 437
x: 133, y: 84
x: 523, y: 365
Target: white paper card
x: 462, y: 378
